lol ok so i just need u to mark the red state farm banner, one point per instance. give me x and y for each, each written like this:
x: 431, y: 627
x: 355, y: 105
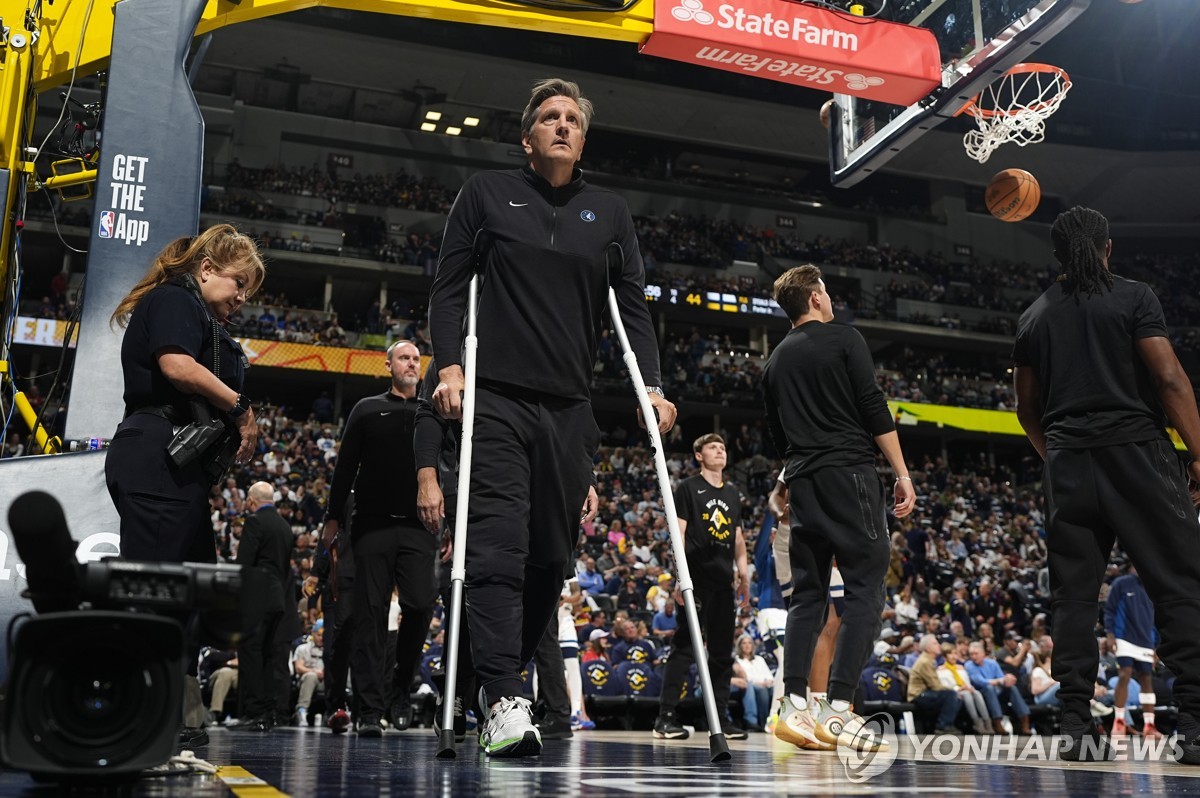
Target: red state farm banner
x: 800, y: 44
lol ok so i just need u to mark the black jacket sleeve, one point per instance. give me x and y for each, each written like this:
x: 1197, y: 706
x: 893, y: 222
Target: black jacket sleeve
x: 251, y: 543
x: 429, y: 428
x: 344, y: 473
x: 774, y: 423
x: 872, y: 405
x: 631, y: 299
x: 448, y: 296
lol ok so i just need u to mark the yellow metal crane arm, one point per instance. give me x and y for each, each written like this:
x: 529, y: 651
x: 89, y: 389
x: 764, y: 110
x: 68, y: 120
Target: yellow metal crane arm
x: 61, y: 23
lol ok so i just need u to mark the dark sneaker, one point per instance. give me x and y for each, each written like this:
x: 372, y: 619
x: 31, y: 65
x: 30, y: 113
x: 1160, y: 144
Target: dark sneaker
x: 1084, y: 741
x: 339, y: 722
x: 555, y: 728
x: 369, y: 727
x: 193, y: 737
x: 460, y: 719
x: 400, y: 713
x: 1189, y: 752
x: 732, y: 732
x: 667, y: 727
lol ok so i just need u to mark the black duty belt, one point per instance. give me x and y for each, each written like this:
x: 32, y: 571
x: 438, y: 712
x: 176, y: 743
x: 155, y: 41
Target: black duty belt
x: 175, y: 415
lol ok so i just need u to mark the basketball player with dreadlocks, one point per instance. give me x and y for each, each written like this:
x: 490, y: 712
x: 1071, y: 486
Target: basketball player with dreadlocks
x: 1096, y: 382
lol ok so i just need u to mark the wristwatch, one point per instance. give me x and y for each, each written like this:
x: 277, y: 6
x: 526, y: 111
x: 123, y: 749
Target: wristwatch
x: 655, y: 389
x: 240, y: 407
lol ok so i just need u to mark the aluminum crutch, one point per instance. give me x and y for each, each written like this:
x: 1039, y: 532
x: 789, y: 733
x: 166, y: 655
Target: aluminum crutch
x: 718, y: 749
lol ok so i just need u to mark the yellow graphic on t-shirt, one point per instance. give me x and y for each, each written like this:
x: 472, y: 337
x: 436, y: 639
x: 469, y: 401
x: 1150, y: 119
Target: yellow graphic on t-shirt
x: 719, y: 525
x: 883, y: 681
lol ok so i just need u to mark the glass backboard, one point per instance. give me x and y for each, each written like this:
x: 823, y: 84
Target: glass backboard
x: 979, y: 41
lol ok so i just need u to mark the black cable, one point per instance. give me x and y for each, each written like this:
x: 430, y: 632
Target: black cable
x: 72, y: 322
x: 54, y: 216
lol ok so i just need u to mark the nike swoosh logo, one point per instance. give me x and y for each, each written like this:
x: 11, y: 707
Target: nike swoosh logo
x: 701, y: 491
x: 386, y: 413
x: 517, y: 204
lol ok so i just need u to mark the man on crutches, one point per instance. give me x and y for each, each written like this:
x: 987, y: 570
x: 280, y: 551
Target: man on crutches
x: 532, y: 437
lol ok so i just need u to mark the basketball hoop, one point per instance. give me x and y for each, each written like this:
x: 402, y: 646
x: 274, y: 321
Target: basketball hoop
x: 1015, y: 108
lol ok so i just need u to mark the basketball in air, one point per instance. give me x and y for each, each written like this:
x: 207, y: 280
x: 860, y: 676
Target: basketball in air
x: 825, y: 111
x: 1013, y: 195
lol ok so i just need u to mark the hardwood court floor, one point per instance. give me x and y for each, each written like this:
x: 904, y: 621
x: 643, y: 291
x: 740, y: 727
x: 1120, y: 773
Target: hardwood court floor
x: 606, y: 764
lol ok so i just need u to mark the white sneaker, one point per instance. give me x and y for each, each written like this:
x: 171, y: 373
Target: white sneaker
x: 795, y: 726
x: 843, y: 727
x: 509, y: 730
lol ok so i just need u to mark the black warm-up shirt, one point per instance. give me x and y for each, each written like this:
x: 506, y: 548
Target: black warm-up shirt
x: 376, y: 460
x: 545, y: 286
x: 171, y: 316
x: 435, y: 439
x: 824, y: 406
x: 713, y: 515
x: 1095, y: 389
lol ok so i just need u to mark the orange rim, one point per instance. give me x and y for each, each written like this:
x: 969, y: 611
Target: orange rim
x: 972, y: 105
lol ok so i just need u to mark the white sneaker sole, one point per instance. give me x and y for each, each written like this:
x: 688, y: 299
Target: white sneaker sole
x: 528, y: 744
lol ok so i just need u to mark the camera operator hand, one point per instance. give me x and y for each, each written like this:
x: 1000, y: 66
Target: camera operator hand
x: 248, y: 428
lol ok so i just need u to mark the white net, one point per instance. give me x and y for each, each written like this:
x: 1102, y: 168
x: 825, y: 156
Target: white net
x: 1015, y: 108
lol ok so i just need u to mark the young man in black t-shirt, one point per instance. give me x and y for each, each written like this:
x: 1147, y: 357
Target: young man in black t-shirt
x: 1096, y: 381
x: 827, y: 416
x: 709, y: 509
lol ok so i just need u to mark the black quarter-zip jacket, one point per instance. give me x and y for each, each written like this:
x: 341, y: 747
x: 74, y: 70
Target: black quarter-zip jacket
x: 544, y: 288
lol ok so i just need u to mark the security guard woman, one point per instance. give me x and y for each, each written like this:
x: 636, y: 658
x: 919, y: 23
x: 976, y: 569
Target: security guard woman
x: 175, y: 349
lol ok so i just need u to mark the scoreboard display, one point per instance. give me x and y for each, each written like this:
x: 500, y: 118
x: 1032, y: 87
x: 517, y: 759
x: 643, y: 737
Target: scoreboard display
x: 714, y: 300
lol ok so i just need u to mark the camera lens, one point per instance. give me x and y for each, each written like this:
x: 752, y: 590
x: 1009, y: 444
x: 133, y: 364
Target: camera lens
x: 90, y: 703
x: 100, y: 698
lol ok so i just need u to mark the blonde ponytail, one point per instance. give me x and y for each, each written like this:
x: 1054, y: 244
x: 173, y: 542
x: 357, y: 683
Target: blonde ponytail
x: 227, y: 250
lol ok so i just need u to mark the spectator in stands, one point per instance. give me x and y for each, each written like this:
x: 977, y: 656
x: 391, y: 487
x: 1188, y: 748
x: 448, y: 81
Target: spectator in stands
x: 597, y: 622
x: 591, y: 581
x: 633, y: 597
x: 666, y: 623
x: 997, y: 688
x: 220, y: 668
x: 926, y: 690
x: 1014, y: 656
x: 954, y: 675
x: 597, y: 646
x: 659, y: 594
x: 309, y: 664
x: 752, y: 682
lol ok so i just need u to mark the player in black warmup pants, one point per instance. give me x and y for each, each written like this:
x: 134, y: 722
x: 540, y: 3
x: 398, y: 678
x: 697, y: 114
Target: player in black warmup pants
x: 710, y: 511
x: 544, y: 291
x: 827, y: 415
x: 1096, y: 381
x: 392, y: 548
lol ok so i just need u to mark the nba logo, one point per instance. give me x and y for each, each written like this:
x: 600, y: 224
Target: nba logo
x: 106, y: 224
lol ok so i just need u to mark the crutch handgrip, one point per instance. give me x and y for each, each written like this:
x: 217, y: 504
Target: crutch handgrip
x: 614, y: 263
